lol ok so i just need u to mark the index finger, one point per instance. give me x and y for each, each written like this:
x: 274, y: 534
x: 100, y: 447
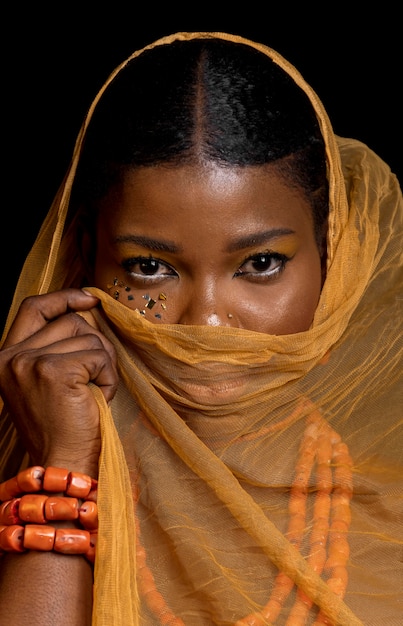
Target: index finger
x: 36, y: 312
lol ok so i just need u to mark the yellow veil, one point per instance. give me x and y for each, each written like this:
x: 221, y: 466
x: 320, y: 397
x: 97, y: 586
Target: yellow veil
x: 246, y: 474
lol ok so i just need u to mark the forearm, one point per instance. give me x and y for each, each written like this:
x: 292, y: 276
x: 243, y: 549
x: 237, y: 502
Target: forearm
x: 46, y: 364
x: 39, y: 588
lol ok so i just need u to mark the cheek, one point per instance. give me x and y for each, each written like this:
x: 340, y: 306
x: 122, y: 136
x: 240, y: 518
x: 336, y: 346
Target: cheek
x: 152, y: 303
x: 285, y: 308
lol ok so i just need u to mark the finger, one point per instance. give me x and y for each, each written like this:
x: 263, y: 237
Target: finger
x: 48, y: 340
x: 87, y: 366
x: 65, y: 329
x: 36, y: 312
x: 39, y: 347
x: 101, y: 372
x: 67, y: 372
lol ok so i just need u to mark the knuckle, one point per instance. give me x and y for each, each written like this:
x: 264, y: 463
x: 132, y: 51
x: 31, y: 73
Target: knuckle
x: 30, y: 303
x: 22, y: 364
x: 19, y: 363
x: 44, y: 368
x: 94, y: 342
x: 41, y: 370
x: 81, y: 327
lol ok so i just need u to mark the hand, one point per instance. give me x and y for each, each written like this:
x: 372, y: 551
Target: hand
x: 49, y: 357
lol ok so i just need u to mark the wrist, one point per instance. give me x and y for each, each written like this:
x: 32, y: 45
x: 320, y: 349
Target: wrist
x: 86, y: 464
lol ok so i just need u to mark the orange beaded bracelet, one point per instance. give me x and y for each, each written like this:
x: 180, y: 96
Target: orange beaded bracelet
x: 45, y: 538
x: 40, y: 508
x: 52, y: 479
x: 25, y: 510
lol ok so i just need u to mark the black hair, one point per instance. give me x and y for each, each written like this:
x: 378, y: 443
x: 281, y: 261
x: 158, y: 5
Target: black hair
x: 204, y: 100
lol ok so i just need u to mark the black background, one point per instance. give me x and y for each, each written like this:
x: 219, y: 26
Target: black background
x: 55, y: 59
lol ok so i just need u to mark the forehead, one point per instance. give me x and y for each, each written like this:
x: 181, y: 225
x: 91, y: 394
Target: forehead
x: 206, y: 195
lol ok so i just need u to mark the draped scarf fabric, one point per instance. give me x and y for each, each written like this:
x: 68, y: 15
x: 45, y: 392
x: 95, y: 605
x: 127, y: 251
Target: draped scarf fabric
x: 243, y: 473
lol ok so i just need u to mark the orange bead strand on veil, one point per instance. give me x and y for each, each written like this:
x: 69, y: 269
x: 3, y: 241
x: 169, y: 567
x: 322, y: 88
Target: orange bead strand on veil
x: 324, y: 464
x: 146, y: 582
x: 331, y: 520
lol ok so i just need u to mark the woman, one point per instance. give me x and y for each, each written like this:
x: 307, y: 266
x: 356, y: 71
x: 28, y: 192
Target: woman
x: 212, y: 335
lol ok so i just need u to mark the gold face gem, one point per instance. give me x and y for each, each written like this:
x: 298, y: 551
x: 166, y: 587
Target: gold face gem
x: 114, y: 288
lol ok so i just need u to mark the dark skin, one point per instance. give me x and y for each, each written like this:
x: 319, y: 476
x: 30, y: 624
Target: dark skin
x: 228, y: 246
x: 52, y: 354
x: 258, y: 267
x: 47, y: 361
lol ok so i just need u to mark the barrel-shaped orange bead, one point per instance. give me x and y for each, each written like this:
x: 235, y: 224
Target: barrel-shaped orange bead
x: 72, y: 541
x: 9, y: 512
x: 55, y: 479
x: 12, y: 538
x: 78, y: 485
x: 39, y: 537
x: 61, y: 508
x: 32, y: 508
x: 88, y: 514
x: 91, y: 552
x: 30, y: 480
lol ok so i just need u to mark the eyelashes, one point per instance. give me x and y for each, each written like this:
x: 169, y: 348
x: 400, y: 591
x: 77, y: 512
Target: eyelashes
x: 149, y: 272
x: 260, y: 266
x: 144, y: 267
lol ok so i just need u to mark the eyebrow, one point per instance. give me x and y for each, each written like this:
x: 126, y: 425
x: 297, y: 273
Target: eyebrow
x: 247, y: 241
x: 258, y: 239
x: 148, y: 242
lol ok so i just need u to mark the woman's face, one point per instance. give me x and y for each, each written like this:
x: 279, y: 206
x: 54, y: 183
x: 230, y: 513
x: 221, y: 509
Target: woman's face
x: 210, y: 245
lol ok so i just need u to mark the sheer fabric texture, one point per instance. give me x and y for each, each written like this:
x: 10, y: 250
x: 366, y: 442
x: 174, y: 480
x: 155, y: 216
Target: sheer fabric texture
x: 248, y: 474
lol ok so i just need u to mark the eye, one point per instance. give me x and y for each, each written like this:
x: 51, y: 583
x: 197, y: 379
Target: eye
x: 262, y: 266
x: 147, y: 268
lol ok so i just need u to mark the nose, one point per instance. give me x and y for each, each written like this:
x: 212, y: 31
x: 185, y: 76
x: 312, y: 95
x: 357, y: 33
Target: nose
x: 207, y: 307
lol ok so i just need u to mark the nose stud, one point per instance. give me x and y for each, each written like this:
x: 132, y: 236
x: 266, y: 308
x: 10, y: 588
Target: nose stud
x: 230, y: 316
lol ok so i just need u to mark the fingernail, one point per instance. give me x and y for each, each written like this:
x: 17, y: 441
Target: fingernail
x: 87, y: 293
